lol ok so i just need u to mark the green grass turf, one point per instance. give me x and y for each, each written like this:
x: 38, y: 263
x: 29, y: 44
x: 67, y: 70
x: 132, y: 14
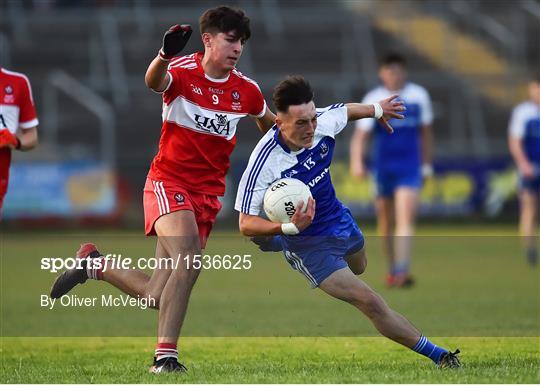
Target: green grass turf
x: 477, y: 291
x: 265, y: 360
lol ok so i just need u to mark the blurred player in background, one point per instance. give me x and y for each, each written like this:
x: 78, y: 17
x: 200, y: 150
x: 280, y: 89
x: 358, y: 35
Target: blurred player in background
x: 325, y: 245
x: 400, y: 162
x: 524, y: 143
x: 204, y: 97
x: 18, y: 121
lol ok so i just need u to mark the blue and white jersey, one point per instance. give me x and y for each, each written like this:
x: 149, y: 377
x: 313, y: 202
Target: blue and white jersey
x: 525, y: 125
x: 272, y: 159
x: 400, y: 151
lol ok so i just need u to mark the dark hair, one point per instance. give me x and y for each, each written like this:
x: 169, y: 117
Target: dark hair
x: 393, y: 58
x: 293, y: 90
x: 225, y: 19
x: 535, y: 78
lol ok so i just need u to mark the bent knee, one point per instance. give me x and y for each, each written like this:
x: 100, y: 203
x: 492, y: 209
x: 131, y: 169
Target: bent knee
x: 370, y: 303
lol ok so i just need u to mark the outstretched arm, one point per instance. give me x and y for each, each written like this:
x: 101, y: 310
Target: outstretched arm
x: 383, y: 110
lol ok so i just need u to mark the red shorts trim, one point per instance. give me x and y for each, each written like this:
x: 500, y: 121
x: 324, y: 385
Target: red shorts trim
x: 162, y: 197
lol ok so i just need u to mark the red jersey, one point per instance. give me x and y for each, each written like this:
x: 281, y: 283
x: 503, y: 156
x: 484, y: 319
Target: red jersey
x: 17, y: 110
x: 200, y: 115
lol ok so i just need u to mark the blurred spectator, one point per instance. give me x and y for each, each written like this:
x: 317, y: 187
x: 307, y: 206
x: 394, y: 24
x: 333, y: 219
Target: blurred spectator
x: 400, y: 161
x: 524, y: 142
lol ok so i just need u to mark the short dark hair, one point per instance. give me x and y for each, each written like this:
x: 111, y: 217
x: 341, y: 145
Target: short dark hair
x: 393, y: 58
x: 225, y: 19
x: 535, y: 78
x: 293, y: 90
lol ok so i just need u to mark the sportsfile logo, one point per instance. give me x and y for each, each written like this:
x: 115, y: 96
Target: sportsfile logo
x: 218, y: 125
x: 231, y: 261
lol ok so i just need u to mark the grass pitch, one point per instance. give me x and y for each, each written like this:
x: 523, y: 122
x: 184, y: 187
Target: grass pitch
x: 265, y: 360
x: 265, y: 325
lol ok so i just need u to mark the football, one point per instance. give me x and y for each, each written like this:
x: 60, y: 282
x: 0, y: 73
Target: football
x: 282, y: 197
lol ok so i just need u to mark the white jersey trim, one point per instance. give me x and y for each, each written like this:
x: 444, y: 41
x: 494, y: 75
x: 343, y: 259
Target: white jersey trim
x: 297, y: 262
x: 242, y: 76
x: 166, y: 87
x: 190, y: 115
x: 250, y: 179
x: 217, y: 80
x: 261, y: 114
x: 182, y: 60
x: 208, y: 108
x: 29, y: 124
x: 520, y: 115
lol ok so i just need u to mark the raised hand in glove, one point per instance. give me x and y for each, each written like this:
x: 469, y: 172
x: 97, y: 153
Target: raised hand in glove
x: 174, y: 41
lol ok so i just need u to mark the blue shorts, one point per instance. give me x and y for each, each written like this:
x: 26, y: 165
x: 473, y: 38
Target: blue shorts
x: 530, y: 184
x: 388, y: 182
x: 317, y: 257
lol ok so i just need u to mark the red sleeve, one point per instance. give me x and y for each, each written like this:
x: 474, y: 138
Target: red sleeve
x: 175, y: 85
x: 27, y: 115
x: 258, y: 105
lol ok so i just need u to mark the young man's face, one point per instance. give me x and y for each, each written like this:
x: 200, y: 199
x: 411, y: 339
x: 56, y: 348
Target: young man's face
x: 224, y: 48
x: 393, y: 76
x: 298, y: 125
x: 534, y: 92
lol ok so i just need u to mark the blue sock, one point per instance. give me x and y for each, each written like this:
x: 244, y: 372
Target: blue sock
x: 428, y: 349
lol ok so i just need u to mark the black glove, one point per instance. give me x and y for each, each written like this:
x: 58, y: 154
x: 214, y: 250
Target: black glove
x: 174, y: 41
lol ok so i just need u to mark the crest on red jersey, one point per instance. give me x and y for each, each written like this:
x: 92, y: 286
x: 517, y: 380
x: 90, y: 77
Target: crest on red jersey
x: 236, y: 105
x: 179, y: 198
x: 8, y: 94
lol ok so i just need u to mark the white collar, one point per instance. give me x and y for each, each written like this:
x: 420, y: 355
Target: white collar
x: 221, y: 80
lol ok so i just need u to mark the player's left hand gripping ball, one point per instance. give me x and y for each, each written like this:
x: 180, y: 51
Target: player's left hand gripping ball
x: 7, y: 139
x: 174, y: 41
